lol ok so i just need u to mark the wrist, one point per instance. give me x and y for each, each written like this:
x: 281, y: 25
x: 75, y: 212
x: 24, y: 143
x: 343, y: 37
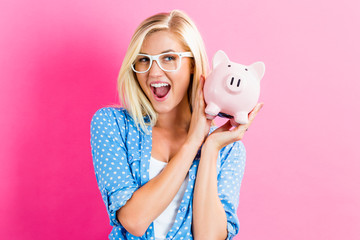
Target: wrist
x: 191, y: 146
x: 210, y: 146
x: 194, y: 142
x: 209, y: 153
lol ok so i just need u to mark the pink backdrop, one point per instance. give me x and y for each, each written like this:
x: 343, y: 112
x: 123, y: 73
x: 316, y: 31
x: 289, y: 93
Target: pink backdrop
x: 59, y: 62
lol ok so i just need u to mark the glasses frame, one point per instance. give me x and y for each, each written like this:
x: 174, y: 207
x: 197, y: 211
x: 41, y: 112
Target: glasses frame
x: 156, y: 58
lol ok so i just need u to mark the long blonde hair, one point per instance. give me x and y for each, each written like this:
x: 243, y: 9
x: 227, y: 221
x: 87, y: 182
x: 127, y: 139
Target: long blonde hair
x: 130, y: 93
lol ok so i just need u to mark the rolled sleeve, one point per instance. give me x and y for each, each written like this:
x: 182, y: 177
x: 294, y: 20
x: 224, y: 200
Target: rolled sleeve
x: 112, y: 170
x: 229, y: 181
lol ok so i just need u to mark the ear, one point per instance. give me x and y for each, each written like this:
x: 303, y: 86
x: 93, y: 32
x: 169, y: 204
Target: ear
x: 259, y: 69
x: 220, y: 57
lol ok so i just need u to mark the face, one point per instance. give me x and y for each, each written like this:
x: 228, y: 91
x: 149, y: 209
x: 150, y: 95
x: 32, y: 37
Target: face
x: 167, y: 91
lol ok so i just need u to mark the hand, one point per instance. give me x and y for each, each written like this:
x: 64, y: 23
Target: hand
x: 226, y: 134
x: 199, y: 125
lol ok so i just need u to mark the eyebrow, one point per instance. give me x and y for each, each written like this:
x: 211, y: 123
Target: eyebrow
x: 168, y: 50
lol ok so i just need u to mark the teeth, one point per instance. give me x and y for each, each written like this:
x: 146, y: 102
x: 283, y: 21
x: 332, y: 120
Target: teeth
x: 159, y: 85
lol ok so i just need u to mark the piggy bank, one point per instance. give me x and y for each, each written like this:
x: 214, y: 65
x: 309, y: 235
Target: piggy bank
x: 231, y: 89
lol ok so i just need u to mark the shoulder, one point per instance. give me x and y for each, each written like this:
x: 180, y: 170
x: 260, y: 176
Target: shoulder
x: 112, y: 115
x: 107, y: 113
x: 113, y: 119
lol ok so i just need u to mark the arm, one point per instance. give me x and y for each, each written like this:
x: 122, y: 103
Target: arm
x: 209, y: 218
x: 130, y: 206
x: 214, y: 211
x: 216, y: 195
x: 113, y: 174
x: 149, y: 201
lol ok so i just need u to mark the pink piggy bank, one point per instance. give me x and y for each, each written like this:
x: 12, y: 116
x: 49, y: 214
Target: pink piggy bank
x: 232, y: 90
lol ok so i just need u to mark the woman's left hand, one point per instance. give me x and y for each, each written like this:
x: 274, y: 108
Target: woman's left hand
x: 225, y: 135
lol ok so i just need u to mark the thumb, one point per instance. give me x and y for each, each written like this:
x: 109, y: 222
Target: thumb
x: 224, y: 127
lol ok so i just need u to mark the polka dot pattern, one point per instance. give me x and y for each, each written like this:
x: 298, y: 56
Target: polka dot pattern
x: 121, y: 156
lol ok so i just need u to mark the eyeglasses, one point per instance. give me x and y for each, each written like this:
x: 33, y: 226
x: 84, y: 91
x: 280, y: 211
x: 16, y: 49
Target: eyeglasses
x: 168, y: 62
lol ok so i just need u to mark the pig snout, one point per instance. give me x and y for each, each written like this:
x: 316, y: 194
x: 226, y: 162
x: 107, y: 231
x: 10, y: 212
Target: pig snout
x: 235, y: 83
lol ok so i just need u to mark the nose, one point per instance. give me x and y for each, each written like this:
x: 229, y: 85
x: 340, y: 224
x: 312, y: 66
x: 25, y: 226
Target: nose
x: 155, y: 70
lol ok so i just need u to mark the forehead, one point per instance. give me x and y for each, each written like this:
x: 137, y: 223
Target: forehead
x: 161, y: 41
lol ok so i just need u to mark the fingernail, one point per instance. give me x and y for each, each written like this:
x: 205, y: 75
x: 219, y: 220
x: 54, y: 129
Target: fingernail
x: 261, y: 105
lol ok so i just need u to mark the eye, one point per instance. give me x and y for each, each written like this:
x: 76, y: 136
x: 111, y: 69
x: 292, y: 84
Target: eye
x: 169, y: 58
x: 143, y: 59
x: 246, y: 69
x: 229, y: 65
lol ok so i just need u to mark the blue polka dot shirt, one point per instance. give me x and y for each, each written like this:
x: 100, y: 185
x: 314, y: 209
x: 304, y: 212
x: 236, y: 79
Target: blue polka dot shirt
x: 121, y: 156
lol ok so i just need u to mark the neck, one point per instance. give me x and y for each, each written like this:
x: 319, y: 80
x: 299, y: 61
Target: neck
x: 179, y: 117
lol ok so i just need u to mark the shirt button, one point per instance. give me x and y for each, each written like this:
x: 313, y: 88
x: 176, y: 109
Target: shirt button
x: 130, y: 158
x: 192, y: 177
x: 183, y: 209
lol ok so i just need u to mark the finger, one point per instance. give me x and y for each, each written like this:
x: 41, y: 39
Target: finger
x: 254, y: 112
x: 198, y: 95
x: 202, y: 79
x: 226, y: 126
x: 201, y: 83
x: 257, y: 108
x: 210, y: 117
x: 201, y: 92
x: 201, y: 86
x: 242, y: 128
x: 238, y: 132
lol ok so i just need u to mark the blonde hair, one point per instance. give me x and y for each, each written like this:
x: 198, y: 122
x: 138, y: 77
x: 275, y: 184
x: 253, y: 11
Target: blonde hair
x: 130, y: 93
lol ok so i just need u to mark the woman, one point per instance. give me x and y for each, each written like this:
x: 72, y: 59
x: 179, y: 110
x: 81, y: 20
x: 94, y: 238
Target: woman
x: 160, y: 173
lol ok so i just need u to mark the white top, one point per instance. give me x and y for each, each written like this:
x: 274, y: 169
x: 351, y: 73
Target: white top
x: 164, y: 222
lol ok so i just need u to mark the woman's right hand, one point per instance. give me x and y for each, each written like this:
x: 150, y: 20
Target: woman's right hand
x: 199, y: 125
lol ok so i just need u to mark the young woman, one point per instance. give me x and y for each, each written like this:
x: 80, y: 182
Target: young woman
x: 163, y: 171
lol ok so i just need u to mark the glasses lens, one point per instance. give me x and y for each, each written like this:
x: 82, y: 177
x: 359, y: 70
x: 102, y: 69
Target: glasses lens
x: 169, y: 61
x: 141, y: 63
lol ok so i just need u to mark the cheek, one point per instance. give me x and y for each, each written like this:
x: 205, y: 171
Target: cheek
x: 141, y: 81
x: 187, y: 75
x: 182, y: 83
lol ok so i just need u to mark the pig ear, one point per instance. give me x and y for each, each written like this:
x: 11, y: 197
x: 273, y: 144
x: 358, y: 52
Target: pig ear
x: 220, y: 57
x: 259, y: 69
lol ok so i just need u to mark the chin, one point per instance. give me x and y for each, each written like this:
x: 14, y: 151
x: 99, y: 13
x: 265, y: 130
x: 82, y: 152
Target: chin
x: 162, y: 108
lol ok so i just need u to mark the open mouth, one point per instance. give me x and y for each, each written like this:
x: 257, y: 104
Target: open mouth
x: 160, y: 90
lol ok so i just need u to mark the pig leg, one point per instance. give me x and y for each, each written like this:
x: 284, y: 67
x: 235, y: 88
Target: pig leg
x: 212, y: 110
x: 241, y: 117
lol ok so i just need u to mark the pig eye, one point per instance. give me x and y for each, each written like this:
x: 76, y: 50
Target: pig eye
x: 229, y: 65
x: 246, y: 69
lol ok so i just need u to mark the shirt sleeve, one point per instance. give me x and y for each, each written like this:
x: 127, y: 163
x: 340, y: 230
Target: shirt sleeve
x: 229, y: 180
x: 112, y: 170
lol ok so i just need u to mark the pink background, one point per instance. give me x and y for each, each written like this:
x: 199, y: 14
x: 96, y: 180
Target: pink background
x: 59, y: 62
